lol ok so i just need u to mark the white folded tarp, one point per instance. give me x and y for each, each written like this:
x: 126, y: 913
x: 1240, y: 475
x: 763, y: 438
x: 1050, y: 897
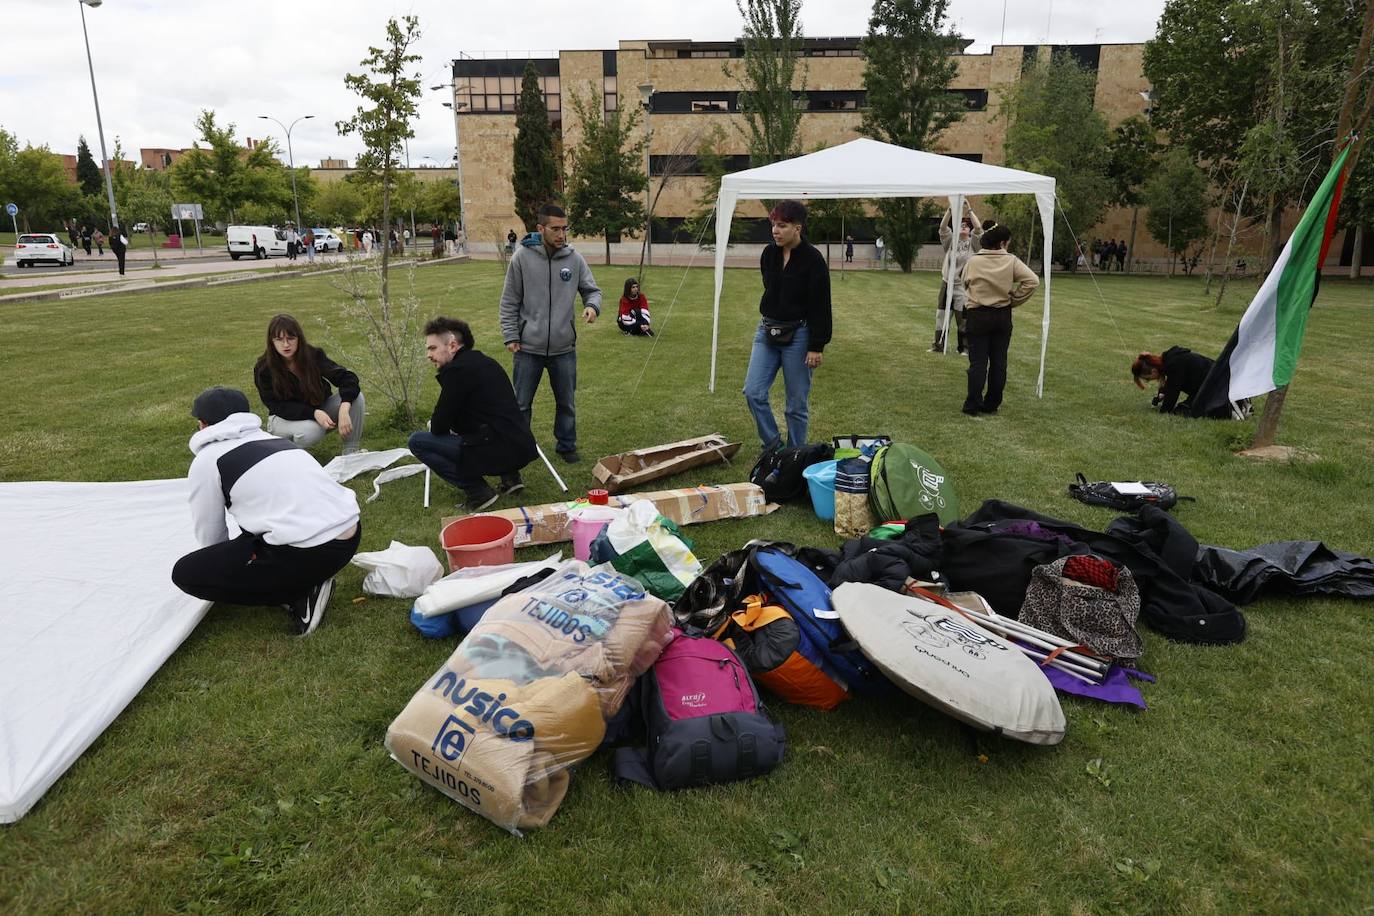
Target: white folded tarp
x: 866, y: 168
x: 88, y: 613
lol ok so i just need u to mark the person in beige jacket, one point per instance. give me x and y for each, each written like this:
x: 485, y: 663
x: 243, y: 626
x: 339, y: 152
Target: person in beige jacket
x: 995, y: 282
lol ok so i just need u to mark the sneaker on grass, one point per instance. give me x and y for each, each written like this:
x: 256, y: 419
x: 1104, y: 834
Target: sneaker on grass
x: 307, y: 611
x: 511, y: 483
x: 477, y: 500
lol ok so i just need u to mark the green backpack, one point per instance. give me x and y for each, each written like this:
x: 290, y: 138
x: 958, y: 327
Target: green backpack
x: 906, y: 482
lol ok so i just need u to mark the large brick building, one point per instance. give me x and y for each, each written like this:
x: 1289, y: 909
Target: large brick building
x: 692, y: 87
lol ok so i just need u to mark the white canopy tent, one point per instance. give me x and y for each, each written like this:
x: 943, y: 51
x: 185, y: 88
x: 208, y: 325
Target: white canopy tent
x: 867, y: 168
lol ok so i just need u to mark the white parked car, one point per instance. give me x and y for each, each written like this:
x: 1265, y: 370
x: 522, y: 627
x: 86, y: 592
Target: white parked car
x: 41, y: 248
x: 140, y: 227
x: 255, y: 242
x: 326, y: 241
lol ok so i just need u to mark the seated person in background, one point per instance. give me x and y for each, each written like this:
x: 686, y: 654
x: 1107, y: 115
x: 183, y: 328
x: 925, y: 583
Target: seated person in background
x: 293, y: 380
x: 299, y: 527
x: 477, y: 428
x: 1178, y: 370
x: 634, y: 311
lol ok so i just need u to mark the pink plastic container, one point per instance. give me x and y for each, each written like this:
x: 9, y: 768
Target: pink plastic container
x: 478, y: 540
x: 586, y: 525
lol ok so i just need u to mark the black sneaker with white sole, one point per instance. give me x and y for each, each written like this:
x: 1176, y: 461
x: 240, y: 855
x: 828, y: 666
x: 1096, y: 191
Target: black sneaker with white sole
x: 480, y: 499
x: 511, y: 483
x: 316, y: 603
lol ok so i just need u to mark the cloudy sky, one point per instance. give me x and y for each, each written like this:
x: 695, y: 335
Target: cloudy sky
x: 159, y: 62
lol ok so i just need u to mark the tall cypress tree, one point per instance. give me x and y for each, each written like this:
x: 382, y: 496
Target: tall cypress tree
x: 88, y: 174
x: 908, y: 65
x: 535, y: 177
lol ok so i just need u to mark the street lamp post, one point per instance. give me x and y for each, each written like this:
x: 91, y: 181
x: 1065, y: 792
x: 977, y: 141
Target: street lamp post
x: 291, y: 157
x: 458, y: 164
x: 100, y: 129
x: 646, y: 90
x: 458, y: 106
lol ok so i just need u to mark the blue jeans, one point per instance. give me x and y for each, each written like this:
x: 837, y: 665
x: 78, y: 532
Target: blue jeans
x: 525, y: 375
x: 764, y: 363
x: 441, y: 455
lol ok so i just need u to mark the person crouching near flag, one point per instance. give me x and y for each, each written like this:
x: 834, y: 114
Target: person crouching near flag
x: 1179, y: 372
x: 995, y: 282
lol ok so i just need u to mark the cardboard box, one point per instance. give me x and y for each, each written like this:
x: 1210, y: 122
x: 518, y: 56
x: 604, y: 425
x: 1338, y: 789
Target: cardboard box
x: 628, y: 470
x: 550, y: 524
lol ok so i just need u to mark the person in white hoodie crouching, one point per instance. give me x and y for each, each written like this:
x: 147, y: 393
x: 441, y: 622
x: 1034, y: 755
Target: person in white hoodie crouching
x: 298, y: 527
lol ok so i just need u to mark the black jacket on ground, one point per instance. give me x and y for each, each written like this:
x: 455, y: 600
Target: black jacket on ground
x: 981, y: 555
x: 295, y: 406
x: 477, y: 402
x: 1184, y: 372
x: 799, y: 291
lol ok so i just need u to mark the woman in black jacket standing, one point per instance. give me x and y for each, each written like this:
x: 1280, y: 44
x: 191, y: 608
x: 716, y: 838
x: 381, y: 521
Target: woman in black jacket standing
x: 294, y: 379
x: 794, y: 326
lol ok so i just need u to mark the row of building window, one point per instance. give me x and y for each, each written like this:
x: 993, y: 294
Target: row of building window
x: 737, y: 52
x: 736, y: 162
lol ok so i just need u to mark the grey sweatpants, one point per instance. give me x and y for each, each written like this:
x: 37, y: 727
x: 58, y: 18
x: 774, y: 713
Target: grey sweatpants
x: 308, y: 433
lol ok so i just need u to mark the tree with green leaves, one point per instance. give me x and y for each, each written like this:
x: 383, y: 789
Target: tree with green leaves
x: 710, y: 163
x: 338, y: 203
x: 908, y: 66
x: 88, y: 175
x: 1132, y: 155
x: 607, y: 176
x: 38, y: 183
x: 534, y: 177
x: 1053, y: 129
x: 828, y: 219
x: 221, y: 176
x: 1175, y: 197
x: 772, y: 43
x: 389, y: 87
x: 441, y: 201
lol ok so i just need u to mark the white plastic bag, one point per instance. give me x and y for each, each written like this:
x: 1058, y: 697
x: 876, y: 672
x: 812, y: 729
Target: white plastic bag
x: 399, y: 571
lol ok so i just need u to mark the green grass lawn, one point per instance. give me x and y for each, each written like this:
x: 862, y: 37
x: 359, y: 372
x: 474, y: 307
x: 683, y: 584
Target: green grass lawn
x: 250, y: 774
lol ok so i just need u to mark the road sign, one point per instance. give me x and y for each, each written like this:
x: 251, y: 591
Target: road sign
x: 11, y: 209
x: 187, y: 211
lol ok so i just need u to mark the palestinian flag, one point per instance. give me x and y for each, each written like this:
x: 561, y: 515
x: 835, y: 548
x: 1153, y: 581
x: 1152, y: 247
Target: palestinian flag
x: 1263, y: 352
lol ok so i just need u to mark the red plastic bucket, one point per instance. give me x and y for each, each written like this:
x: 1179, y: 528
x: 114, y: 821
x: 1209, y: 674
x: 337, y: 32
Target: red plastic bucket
x: 478, y: 540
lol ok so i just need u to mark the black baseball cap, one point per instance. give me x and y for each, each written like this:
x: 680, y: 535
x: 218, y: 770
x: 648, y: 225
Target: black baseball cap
x: 214, y: 404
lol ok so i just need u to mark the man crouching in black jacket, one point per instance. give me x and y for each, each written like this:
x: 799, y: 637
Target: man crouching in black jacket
x: 477, y: 428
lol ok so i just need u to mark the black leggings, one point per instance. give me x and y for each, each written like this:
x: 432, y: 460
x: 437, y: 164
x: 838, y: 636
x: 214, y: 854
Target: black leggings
x: 248, y: 570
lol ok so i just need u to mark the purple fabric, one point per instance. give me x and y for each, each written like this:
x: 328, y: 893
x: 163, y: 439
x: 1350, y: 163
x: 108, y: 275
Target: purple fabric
x: 1035, y: 530
x: 1117, y: 688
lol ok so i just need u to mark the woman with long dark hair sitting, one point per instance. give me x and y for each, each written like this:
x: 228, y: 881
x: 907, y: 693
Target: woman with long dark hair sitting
x: 633, y: 317
x: 294, y: 381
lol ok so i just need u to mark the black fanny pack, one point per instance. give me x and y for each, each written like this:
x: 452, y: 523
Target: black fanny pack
x: 780, y: 333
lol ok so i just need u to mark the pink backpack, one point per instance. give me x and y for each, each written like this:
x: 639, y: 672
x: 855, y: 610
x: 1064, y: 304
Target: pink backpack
x: 703, y: 721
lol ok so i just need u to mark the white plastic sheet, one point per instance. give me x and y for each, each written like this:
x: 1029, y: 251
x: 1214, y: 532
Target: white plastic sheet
x: 86, y: 598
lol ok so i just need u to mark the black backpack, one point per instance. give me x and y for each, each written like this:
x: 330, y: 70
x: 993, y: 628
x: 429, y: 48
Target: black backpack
x: 779, y: 470
x: 702, y: 719
x: 1103, y: 493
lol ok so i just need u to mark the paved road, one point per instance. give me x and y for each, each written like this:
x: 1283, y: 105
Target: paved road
x: 103, y: 270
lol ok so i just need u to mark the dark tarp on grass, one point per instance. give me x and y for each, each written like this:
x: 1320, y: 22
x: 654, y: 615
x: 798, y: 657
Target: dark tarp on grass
x: 1287, y: 567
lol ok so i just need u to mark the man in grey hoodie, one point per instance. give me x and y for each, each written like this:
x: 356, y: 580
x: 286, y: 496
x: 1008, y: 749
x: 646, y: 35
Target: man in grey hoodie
x: 537, y: 320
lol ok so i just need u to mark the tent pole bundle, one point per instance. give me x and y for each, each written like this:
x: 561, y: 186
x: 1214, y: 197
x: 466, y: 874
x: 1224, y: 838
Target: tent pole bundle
x: 1084, y: 667
x: 864, y: 168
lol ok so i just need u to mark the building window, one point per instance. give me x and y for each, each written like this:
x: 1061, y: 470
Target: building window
x: 690, y: 165
x: 974, y: 99
x: 492, y: 86
x: 836, y: 101
x: 710, y: 105
x: 967, y: 157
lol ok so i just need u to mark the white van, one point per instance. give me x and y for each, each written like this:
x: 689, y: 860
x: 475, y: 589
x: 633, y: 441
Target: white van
x: 255, y: 241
